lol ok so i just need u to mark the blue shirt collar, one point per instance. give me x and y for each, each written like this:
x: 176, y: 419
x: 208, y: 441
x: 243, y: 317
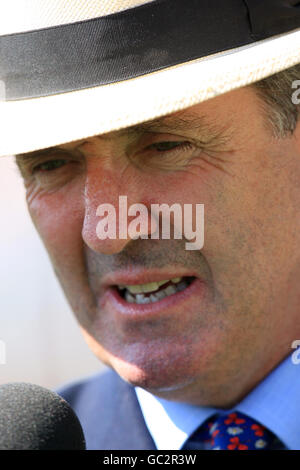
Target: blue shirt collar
x: 274, y: 402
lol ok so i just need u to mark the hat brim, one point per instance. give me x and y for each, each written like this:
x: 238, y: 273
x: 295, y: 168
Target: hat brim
x: 32, y: 124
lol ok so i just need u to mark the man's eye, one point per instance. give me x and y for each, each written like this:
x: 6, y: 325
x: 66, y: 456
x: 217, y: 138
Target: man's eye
x: 168, y: 155
x: 168, y: 145
x: 49, y: 165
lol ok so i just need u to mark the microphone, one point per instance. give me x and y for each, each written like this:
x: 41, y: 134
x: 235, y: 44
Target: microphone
x: 34, y: 418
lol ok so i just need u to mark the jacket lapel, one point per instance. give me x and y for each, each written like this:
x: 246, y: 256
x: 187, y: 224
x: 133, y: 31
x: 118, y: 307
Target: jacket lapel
x: 109, y: 412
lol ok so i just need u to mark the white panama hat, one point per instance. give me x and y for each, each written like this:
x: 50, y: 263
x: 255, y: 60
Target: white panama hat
x: 72, y: 69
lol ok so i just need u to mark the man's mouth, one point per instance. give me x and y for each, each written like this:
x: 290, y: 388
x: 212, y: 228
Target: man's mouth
x: 153, y: 291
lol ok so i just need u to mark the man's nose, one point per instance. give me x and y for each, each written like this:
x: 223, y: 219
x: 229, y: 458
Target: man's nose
x: 107, y: 197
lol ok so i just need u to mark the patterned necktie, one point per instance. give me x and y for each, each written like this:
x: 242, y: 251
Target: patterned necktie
x: 233, y: 431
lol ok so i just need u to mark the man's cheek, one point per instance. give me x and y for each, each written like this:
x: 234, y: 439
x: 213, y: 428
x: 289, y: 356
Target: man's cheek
x: 59, y: 223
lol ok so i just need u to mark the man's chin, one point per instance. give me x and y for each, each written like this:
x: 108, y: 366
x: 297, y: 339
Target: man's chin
x: 157, y: 382
x: 168, y: 375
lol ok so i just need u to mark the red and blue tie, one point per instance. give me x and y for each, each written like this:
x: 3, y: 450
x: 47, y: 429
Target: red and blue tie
x: 233, y: 431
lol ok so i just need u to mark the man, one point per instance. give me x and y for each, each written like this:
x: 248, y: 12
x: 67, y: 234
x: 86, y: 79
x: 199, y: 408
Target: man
x: 221, y: 130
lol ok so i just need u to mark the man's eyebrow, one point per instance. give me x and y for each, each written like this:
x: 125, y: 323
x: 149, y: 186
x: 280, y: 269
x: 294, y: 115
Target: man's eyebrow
x: 40, y: 152
x: 178, y: 122
x: 170, y: 123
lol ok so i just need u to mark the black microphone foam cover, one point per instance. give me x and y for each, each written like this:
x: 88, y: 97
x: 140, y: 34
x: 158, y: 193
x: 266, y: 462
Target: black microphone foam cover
x: 34, y: 418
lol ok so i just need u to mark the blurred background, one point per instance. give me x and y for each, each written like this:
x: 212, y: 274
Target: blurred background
x: 38, y: 333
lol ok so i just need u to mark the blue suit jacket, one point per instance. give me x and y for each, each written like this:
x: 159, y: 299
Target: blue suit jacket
x: 109, y: 412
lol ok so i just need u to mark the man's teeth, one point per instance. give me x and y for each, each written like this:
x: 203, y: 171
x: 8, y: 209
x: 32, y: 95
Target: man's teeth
x: 135, y: 294
x: 150, y: 287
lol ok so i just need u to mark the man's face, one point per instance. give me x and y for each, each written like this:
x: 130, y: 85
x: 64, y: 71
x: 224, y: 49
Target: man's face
x: 210, y: 343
